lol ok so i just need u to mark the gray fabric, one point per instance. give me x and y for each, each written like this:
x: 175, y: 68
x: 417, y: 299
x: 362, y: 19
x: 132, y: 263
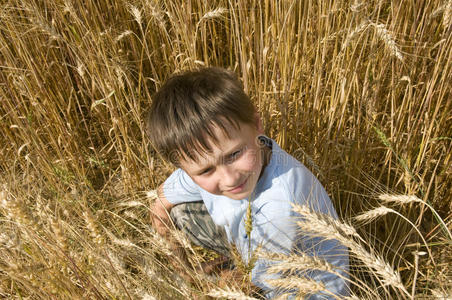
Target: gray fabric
x: 194, y: 220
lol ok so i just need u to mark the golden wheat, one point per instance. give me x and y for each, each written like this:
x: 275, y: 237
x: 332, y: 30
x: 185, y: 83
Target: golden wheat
x: 374, y: 213
x: 317, y: 224
x: 447, y: 15
x: 293, y: 262
x: 76, y: 79
x: 303, y: 285
x: 229, y: 293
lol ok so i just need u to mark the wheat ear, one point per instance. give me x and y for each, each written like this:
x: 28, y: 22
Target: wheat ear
x: 328, y: 227
x: 370, y: 215
x: 304, y: 286
x: 447, y: 15
x: 91, y: 224
x: 136, y: 13
x: 294, y: 262
x: 216, y: 13
x: 229, y: 293
x: 388, y: 39
x: 383, y: 210
x: 406, y: 199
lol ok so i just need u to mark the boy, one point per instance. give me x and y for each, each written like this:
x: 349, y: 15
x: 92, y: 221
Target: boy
x: 204, y: 123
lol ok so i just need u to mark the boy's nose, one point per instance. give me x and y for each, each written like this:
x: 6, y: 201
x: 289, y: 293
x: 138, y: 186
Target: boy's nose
x: 229, y: 177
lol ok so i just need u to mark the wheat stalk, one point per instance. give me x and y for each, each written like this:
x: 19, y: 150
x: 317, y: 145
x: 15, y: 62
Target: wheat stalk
x: 158, y: 15
x: 116, y: 262
x: 161, y: 244
x: 182, y: 239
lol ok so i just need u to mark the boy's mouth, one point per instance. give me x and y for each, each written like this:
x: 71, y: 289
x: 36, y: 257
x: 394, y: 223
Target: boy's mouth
x: 239, y: 188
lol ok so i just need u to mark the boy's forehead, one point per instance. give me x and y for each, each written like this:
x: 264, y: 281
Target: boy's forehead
x: 215, y: 145
x: 224, y: 141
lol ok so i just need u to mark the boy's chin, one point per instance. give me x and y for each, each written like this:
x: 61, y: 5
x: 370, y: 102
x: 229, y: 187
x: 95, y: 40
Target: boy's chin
x: 238, y: 196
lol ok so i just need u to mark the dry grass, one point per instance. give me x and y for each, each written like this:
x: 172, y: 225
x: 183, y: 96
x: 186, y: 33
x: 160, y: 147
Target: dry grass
x: 358, y: 91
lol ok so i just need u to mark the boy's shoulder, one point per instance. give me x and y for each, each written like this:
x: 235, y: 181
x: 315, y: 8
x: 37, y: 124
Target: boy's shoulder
x: 290, y: 179
x: 284, y: 169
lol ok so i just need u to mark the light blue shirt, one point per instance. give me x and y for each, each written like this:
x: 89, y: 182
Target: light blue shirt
x: 283, y: 182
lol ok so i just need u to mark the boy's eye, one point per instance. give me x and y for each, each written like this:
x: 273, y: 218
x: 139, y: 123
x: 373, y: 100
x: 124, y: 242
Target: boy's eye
x: 205, y: 171
x: 234, y: 155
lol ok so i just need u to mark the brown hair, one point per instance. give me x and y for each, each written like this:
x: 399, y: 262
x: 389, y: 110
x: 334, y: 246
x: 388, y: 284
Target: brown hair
x: 186, y: 107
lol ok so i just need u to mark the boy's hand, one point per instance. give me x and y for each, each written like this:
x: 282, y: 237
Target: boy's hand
x: 214, y: 266
x: 161, y: 222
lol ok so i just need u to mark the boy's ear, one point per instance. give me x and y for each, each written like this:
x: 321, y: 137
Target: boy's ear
x: 258, y: 123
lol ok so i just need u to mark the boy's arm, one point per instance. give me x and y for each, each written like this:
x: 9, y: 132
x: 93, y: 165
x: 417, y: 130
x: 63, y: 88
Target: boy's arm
x: 160, y: 210
x: 161, y: 222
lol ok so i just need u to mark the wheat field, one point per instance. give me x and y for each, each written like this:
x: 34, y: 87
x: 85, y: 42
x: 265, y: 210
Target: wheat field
x: 356, y: 90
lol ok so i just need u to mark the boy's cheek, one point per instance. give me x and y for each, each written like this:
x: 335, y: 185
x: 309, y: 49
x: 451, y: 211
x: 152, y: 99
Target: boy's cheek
x: 255, y: 164
x: 252, y: 160
x: 207, y: 185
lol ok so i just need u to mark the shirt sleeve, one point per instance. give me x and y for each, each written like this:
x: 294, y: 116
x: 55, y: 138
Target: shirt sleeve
x: 180, y: 188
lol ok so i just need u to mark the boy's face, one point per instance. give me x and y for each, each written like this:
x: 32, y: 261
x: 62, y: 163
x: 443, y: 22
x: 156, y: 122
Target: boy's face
x: 234, y: 165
